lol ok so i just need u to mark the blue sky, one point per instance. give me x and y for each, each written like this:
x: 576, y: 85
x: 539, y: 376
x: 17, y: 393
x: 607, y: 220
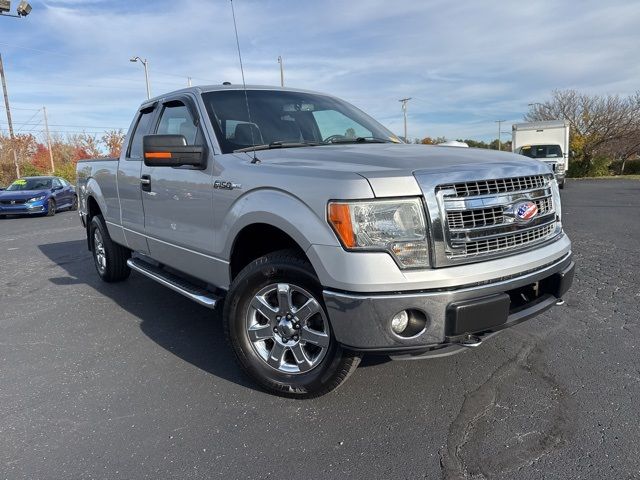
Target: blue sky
x: 465, y: 63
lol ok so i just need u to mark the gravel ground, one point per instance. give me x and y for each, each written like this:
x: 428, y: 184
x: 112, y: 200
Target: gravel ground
x: 132, y: 380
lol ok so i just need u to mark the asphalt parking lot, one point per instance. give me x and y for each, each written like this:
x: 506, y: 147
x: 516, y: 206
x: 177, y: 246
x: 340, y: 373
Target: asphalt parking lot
x: 131, y: 380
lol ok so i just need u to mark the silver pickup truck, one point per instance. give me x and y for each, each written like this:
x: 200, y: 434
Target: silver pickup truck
x: 325, y: 235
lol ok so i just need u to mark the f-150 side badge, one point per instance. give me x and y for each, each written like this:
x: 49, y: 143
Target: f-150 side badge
x: 224, y: 185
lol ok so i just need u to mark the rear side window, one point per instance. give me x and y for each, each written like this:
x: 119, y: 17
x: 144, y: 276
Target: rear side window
x: 142, y: 129
x: 57, y: 183
x: 176, y: 120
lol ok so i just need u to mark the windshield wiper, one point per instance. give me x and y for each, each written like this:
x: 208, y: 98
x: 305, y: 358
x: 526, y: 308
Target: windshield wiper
x: 361, y: 140
x: 277, y: 144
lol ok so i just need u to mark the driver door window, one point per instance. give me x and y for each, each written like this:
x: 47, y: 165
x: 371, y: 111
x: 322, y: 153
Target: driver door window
x: 176, y: 120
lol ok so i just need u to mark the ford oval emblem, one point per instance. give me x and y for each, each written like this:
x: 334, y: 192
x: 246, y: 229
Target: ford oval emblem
x: 525, y: 211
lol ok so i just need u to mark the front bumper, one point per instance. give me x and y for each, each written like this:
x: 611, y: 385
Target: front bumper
x: 362, y: 321
x: 23, y: 209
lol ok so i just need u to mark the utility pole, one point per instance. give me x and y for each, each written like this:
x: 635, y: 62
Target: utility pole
x: 6, y: 106
x: 404, y: 111
x: 281, y: 71
x: 189, y: 81
x: 46, y: 130
x: 499, y: 122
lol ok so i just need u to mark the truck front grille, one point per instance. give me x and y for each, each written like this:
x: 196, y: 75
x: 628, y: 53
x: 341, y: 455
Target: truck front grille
x: 479, y: 217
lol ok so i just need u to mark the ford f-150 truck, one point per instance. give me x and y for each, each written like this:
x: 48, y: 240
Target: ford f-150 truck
x: 325, y: 235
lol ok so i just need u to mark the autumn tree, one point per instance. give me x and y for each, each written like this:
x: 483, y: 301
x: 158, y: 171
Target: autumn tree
x: 113, y: 140
x: 85, y: 146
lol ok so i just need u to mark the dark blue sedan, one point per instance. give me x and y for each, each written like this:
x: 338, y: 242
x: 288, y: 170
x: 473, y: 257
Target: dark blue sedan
x: 38, y: 195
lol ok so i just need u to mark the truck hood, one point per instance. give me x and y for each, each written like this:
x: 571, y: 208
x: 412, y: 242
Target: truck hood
x: 390, y: 168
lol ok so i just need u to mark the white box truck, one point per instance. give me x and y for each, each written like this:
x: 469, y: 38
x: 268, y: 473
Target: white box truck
x: 547, y: 141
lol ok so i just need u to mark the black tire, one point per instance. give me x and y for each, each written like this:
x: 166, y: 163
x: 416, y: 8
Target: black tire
x: 561, y: 186
x: 74, y: 204
x: 51, y: 207
x: 279, y: 267
x: 115, y: 268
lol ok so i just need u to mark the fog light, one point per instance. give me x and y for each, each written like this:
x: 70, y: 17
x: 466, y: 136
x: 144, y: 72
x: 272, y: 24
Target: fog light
x: 399, y: 322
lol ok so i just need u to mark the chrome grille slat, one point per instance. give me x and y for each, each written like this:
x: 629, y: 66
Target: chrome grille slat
x: 460, y: 236
x: 507, y: 242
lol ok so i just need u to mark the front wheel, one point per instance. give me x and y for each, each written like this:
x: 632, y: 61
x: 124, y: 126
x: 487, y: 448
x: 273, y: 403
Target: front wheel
x: 51, y: 207
x: 277, y: 325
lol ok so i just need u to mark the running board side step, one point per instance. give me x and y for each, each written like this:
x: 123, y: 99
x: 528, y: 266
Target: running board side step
x: 174, y: 282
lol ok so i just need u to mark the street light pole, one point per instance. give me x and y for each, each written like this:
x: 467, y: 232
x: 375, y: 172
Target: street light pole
x: 404, y: 112
x: 281, y: 71
x: 145, y: 64
x: 499, y: 122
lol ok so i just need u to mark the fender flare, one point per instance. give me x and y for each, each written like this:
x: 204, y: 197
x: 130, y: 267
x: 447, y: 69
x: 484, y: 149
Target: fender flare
x: 285, y: 212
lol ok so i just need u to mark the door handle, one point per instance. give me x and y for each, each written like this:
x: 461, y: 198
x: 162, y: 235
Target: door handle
x: 145, y: 183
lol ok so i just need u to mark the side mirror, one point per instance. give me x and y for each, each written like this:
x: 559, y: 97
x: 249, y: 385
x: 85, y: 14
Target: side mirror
x: 171, y: 151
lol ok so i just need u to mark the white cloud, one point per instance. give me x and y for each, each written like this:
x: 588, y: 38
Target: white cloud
x: 465, y: 63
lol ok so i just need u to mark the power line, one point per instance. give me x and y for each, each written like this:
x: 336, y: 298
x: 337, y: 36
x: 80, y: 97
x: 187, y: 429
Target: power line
x: 72, y: 126
x: 27, y: 122
x: 18, y: 108
x: 38, y: 131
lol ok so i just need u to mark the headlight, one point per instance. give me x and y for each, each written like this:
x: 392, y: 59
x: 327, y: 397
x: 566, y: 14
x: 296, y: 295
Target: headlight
x: 394, y: 226
x: 36, y: 199
x: 560, y: 167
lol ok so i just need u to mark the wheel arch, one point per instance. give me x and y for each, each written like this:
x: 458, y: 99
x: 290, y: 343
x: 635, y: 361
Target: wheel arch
x: 288, y: 224
x: 246, y: 249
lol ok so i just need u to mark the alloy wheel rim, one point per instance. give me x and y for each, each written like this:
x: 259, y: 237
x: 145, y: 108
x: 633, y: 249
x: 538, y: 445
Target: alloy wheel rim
x: 287, y: 328
x: 99, y: 252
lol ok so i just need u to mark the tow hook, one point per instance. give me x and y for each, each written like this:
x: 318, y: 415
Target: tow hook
x: 470, y: 341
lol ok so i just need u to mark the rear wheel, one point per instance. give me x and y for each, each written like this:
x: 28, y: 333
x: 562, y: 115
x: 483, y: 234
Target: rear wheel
x: 277, y: 325
x: 51, y: 207
x: 109, y: 258
x: 74, y: 204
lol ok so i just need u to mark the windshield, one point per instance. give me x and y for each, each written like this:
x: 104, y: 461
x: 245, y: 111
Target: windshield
x: 30, y: 184
x: 281, y: 117
x: 541, y: 151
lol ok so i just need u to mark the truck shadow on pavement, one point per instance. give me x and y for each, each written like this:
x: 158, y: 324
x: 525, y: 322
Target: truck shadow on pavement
x: 186, y: 329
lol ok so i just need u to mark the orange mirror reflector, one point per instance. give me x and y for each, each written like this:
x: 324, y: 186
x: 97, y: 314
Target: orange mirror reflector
x: 157, y: 155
